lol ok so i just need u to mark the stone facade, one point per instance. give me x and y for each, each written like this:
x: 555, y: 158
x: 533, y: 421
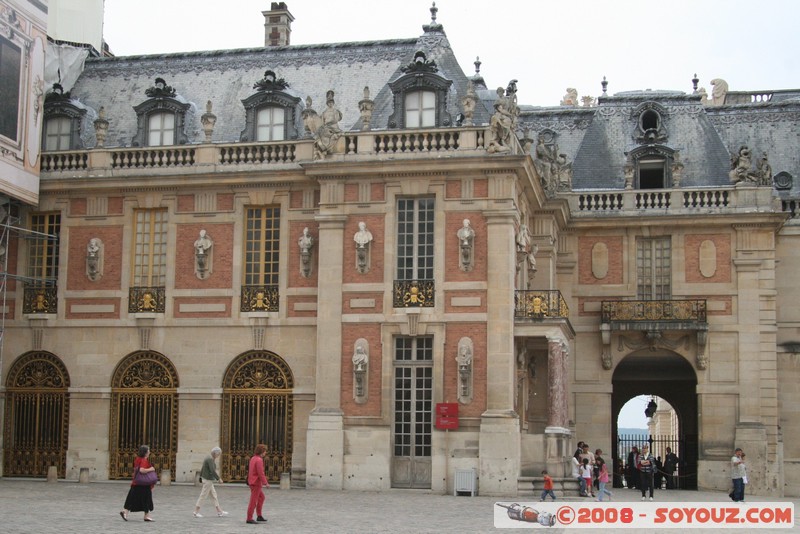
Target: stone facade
x: 615, y: 260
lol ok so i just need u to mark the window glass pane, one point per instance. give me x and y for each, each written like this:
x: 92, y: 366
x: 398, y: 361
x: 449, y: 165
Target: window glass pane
x: 57, y: 130
x: 10, y: 57
x: 415, y: 227
x: 270, y: 122
x: 43, y: 249
x: 262, y: 246
x: 161, y: 129
x: 150, y: 248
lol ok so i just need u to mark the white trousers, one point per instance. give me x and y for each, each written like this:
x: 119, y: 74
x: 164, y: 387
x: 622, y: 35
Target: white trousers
x: 208, y: 487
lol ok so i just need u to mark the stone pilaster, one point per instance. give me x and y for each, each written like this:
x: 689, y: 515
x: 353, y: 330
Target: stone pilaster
x: 325, y: 452
x: 500, y: 433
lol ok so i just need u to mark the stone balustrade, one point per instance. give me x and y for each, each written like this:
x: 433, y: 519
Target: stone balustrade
x: 356, y: 145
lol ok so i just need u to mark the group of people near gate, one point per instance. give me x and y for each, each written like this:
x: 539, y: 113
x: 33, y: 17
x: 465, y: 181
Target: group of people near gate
x: 592, y: 472
x: 653, y: 472
x: 140, y: 495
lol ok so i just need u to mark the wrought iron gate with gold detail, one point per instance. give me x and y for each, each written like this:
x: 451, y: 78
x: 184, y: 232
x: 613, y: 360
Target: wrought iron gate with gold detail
x: 144, y: 411
x: 36, y: 416
x: 257, y: 408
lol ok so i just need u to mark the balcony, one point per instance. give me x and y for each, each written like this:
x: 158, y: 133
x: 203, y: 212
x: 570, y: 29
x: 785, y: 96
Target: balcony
x: 652, y: 318
x: 260, y: 299
x: 633, y: 312
x: 146, y: 299
x: 40, y: 300
x: 540, y: 304
x: 413, y: 293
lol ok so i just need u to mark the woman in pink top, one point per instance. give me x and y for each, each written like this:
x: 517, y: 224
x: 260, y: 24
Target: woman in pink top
x: 256, y: 479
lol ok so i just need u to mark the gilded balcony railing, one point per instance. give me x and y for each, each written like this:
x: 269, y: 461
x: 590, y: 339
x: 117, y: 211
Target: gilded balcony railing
x: 146, y: 299
x: 40, y: 299
x: 540, y: 304
x: 690, y: 310
x: 413, y: 294
x: 260, y: 299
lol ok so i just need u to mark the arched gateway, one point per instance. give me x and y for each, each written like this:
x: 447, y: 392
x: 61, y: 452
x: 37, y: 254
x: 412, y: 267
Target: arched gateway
x: 670, y: 376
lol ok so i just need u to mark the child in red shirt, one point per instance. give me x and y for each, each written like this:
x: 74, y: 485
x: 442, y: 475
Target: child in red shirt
x: 548, y: 487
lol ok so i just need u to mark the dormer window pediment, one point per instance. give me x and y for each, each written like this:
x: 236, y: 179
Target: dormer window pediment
x: 160, y: 120
x: 420, y: 96
x: 62, y: 121
x: 271, y: 113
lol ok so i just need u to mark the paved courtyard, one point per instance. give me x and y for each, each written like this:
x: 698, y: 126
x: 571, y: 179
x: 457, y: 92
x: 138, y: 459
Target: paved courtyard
x: 35, y: 506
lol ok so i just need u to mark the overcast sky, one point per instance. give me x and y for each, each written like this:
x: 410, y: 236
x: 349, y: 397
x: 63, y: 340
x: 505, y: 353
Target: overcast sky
x: 547, y: 45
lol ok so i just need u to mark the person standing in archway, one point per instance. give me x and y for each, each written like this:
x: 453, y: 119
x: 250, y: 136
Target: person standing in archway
x: 670, y: 465
x: 631, y: 473
x: 646, y: 466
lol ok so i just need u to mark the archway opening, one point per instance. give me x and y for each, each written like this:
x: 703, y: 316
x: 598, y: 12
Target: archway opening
x: 668, y: 381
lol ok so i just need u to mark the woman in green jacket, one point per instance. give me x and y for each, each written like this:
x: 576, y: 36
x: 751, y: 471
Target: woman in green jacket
x: 209, y: 475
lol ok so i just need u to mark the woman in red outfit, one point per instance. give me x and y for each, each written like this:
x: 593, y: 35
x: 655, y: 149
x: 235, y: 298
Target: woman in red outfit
x: 140, y: 498
x: 256, y: 479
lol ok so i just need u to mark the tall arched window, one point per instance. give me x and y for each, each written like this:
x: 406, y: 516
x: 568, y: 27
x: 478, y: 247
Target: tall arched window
x: 144, y: 411
x: 36, y: 416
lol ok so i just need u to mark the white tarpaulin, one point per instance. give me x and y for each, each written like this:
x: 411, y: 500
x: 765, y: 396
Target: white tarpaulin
x: 63, y: 64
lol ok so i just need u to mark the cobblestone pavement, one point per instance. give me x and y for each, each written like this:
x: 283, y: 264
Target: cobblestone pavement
x: 35, y: 506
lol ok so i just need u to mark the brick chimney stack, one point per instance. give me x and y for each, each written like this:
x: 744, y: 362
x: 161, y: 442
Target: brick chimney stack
x: 277, y: 25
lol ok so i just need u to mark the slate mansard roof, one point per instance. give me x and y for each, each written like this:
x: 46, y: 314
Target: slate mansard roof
x: 597, y: 139
x: 226, y: 77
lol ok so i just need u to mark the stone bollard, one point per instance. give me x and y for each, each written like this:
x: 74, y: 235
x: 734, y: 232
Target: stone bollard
x: 166, y: 477
x: 83, y: 478
x: 197, y: 478
x: 52, y: 474
x: 286, y: 481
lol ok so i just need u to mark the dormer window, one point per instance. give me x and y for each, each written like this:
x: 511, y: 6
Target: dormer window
x: 271, y: 124
x: 161, y: 129
x: 62, y: 121
x: 420, y: 109
x: 270, y: 113
x: 651, y: 167
x: 160, y: 120
x: 650, y: 128
x: 420, y: 96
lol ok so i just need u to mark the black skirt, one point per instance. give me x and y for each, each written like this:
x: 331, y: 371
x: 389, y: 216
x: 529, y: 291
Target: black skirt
x: 140, y: 499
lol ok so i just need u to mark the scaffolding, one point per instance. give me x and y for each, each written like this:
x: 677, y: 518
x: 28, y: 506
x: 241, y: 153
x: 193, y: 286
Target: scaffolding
x: 10, y: 226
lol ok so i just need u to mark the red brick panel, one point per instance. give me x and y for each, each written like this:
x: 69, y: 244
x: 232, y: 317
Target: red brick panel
x: 113, y: 256
x: 224, y: 313
x: 453, y: 189
x: 115, y: 205
x: 375, y: 225
x: 615, y: 267
x: 378, y: 193
x: 221, y: 276
x: 722, y: 243
x: 293, y: 250
x: 296, y: 200
x: 480, y: 188
x: 351, y: 192
x: 372, y: 333
x: 11, y: 260
x: 185, y: 203
x: 477, y: 333
x: 224, y: 201
x: 452, y: 251
x: 77, y: 207
x: 70, y: 314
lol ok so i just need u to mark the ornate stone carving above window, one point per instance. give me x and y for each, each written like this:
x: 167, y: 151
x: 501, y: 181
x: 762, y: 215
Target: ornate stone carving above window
x: 161, y: 119
x: 272, y: 113
x: 415, y: 91
x: 650, y: 128
x: 62, y: 121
